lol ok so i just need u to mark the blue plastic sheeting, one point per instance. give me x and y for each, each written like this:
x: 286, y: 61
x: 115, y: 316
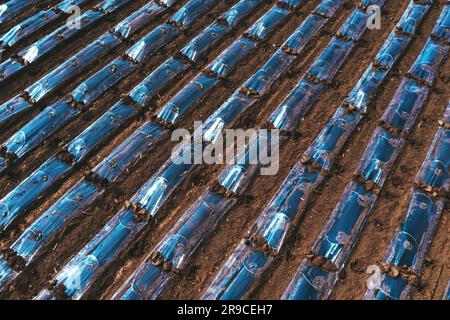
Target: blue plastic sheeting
x: 87, y: 265
x: 366, y: 88
x: 6, y: 274
x: 9, y: 67
x: 172, y: 173
x: 12, y: 8
x: 328, y: 144
x: 442, y: 28
x: 228, y: 59
x: 110, y: 6
x: 392, y: 49
x: 240, y: 10
x: 152, y: 42
x: 260, y: 82
x: 83, y: 194
x: 267, y: 22
x: 50, y: 119
x: 309, y: 283
x: 363, y: 196
x: 167, y: 3
x: 45, y: 45
x: 204, y: 41
x: 291, y: 3
x: 186, y: 98
x: 447, y: 292
x: 412, y: 18
x: 248, y: 261
x: 238, y: 274
x: 297, y: 41
x: 380, y: 155
x: 175, y: 249
x: 446, y: 119
x: 120, y: 230
x: 354, y: 27
x: 275, y: 229
x: 236, y: 177
x: 149, y: 200
x: 155, y: 191
x: 39, y: 128
x: 91, y: 89
x: 341, y: 231
x: 22, y: 196
x: 132, y: 148
x: 409, y: 245
x: 388, y: 55
x: 82, y: 59
x: 91, y: 53
x: 235, y: 53
x: 143, y: 93
x: 158, y: 192
x: 366, y: 3
x: 137, y: 20
x: 66, y: 5
x: 98, y: 131
x: 207, y: 38
x: 305, y: 93
x: 429, y: 61
x: 79, y: 274
x: 435, y: 170
x: 404, y: 108
x: 288, y: 115
x: 147, y: 284
x: 49, y: 42
x: 272, y: 232
x: 41, y: 230
x: 13, y: 107
x: 69, y: 69
x: 329, y: 62
x: 286, y: 206
x: 27, y: 27
x: 191, y: 11
x: 328, y: 8
x: 222, y: 117
x: 332, y: 138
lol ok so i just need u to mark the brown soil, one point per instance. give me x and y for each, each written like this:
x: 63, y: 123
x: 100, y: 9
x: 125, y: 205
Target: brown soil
x: 210, y: 256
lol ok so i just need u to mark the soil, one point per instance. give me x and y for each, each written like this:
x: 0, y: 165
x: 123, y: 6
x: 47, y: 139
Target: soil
x: 214, y: 251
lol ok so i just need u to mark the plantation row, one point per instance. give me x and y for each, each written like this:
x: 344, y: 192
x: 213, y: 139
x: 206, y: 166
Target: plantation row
x: 242, y: 272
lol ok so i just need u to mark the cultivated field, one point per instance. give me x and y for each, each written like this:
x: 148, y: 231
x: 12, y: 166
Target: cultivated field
x: 92, y: 206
